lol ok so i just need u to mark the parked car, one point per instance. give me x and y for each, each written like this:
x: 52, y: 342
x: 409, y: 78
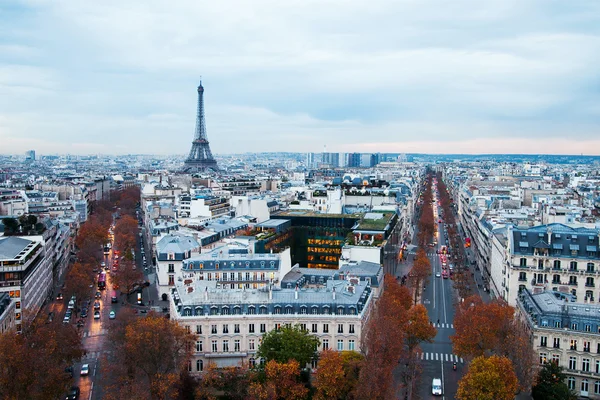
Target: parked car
x: 85, y: 369
x: 83, y: 313
x: 59, y: 296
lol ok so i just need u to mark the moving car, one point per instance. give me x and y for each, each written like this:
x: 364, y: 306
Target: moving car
x: 73, y: 393
x: 112, y: 315
x: 96, y: 314
x: 96, y: 305
x: 59, y: 297
x: 436, y: 387
x: 437, y: 274
x: 85, y: 369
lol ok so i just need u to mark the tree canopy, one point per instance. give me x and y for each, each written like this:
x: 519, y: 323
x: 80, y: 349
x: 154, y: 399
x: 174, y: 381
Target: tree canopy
x: 488, y: 378
x: 289, y: 343
x: 551, y: 385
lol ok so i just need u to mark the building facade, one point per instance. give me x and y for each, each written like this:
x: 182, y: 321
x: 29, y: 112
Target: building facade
x: 566, y: 333
x: 548, y: 257
x: 229, y: 323
x: 25, y: 274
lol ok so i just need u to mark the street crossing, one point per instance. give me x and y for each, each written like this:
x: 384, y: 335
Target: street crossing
x: 445, y: 326
x: 94, y: 355
x: 440, y: 357
x: 102, y: 332
x: 429, y: 254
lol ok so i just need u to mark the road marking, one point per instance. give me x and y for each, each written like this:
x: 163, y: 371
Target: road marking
x: 440, y: 357
x: 91, y: 391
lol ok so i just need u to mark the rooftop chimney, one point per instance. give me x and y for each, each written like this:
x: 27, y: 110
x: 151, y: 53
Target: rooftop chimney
x: 206, y: 293
x: 296, y: 292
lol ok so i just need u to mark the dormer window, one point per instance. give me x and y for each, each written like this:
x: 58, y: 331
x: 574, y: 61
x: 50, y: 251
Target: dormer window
x: 171, y: 256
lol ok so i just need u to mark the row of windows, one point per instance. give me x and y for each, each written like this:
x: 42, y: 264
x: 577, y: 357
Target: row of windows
x: 252, y: 345
x: 572, y: 344
x: 556, y: 279
x: 585, y: 385
x: 232, y: 264
x: 314, y: 328
x: 557, y: 264
x: 288, y: 310
x: 575, y: 326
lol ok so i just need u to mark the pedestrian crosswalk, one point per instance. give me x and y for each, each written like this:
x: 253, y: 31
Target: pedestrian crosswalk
x: 429, y: 254
x: 440, y: 357
x: 101, y: 332
x: 446, y: 326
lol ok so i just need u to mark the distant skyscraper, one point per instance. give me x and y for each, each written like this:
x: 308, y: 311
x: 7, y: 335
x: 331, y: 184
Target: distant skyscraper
x: 375, y: 159
x: 200, y: 157
x: 354, y: 159
x: 402, y: 158
x: 310, y: 160
x: 30, y: 155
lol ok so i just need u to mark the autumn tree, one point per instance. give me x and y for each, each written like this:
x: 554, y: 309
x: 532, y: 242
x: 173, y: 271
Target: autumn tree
x: 289, y: 343
x: 419, y: 273
x: 127, y: 276
x: 383, y: 341
x: 337, y: 374
x: 78, y: 280
x: 488, y: 378
x: 550, y: 384
x: 33, y: 363
x: 480, y: 327
x: 282, y: 382
x: 125, y: 235
x: 152, y: 350
x: 229, y: 382
x: 483, y: 329
x: 419, y: 328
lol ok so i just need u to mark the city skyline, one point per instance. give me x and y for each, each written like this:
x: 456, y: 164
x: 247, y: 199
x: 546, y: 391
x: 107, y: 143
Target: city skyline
x: 462, y: 78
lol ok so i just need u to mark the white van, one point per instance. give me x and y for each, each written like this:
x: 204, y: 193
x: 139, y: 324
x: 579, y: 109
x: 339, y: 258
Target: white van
x: 436, y: 387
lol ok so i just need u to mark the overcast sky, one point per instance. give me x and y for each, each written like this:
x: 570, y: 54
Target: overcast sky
x: 445, y: 76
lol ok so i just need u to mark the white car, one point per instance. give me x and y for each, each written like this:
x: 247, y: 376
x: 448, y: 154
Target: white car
x: 112, y: 315
x: 85, y: 369
x: 96, y: 315
x: 437, y: 274
x: 436, y: 387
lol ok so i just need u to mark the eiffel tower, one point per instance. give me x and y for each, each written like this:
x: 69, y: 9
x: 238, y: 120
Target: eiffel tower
x: 200, y: 157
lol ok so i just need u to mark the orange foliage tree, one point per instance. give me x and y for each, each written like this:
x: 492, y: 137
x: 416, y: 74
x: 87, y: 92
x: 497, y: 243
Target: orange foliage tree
x: 483, y: 329
x: 152, y: 350
x: 281, y: 382
x: 384, y: 342
x: 33, y: 364
x: 488, y: 378
x: 337, y: 374
x: 419, y: 273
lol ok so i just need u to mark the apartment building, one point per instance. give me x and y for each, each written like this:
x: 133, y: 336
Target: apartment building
x: 567, y: 333
x: 547, y: 257
x: 229, y: 323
